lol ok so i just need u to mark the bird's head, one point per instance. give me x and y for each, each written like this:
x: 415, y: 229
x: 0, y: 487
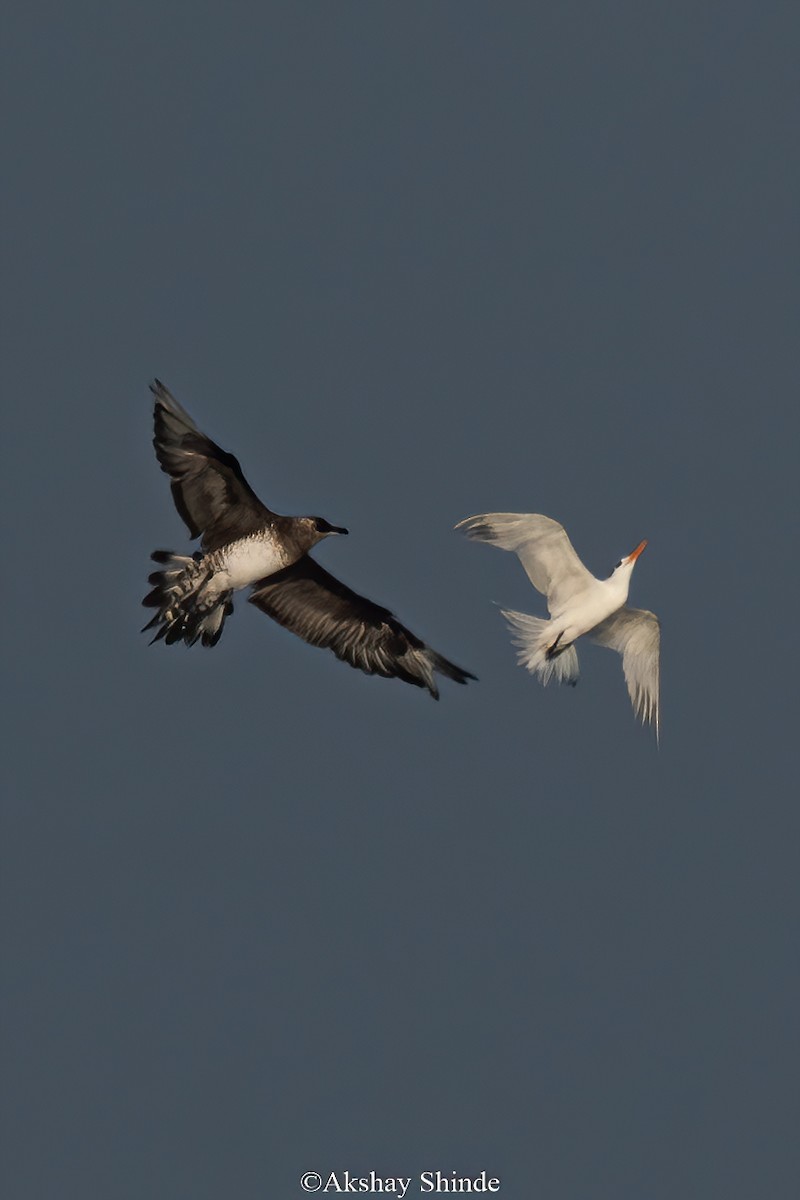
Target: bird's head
x: 626, y: 565
x: 318, y: 528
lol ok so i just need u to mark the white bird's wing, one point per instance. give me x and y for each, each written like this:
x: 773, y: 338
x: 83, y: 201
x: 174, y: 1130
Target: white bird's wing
x: 636, y: 635
x: 543, y: 548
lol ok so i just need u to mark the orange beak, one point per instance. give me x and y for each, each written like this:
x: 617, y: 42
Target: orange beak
x: 633, y: 557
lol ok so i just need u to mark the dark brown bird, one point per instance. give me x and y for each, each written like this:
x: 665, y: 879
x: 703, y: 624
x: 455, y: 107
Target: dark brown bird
x: 245, y: 544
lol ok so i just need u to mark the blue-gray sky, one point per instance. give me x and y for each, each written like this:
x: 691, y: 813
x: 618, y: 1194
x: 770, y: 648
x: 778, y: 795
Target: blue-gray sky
x: 262, y: 914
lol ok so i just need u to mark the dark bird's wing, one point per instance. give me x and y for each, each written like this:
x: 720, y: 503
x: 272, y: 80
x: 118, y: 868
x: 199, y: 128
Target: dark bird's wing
x: 635, y: 633
x: 318, y: 608
x: 208, y: 487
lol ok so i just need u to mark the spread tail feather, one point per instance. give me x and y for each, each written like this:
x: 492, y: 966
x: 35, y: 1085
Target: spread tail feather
x: 534, y: 637
x: 186, y: 611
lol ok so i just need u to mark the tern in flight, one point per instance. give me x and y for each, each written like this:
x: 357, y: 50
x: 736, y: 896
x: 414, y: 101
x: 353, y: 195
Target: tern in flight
x: 245, y: 544
x: 579, y: 605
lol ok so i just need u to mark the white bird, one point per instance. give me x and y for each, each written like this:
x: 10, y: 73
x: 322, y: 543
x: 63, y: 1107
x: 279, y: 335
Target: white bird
x: 579, y: 605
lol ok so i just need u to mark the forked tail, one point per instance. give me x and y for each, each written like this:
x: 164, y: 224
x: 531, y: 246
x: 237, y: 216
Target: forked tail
x: 186, y: 609
x: 538, y: 653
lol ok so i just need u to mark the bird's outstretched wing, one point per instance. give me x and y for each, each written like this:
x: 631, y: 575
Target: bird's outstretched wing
x: 208, y: 487
x: 543, y: 548
x: 636, y: 635
x: 318, y: 608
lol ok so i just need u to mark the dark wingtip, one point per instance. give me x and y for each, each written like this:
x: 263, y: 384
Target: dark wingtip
x: 457, y: 674
x: 477, y: 533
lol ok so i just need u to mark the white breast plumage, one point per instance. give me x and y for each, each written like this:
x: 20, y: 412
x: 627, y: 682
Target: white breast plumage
x: 251, y: 558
